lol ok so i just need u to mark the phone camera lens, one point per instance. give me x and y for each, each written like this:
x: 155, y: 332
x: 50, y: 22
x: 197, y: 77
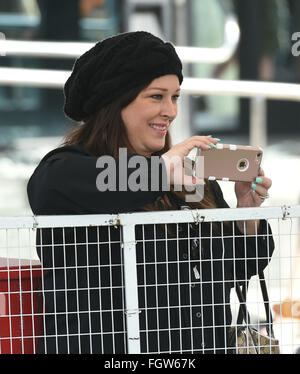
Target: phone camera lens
x: 243, y: 165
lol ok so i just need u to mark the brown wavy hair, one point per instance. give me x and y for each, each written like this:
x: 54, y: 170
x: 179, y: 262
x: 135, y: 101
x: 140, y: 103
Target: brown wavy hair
x: 104, y: 133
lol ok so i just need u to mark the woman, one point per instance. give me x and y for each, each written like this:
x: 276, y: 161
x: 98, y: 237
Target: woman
x: 125, y: 91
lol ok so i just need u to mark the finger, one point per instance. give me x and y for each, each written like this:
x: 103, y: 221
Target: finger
x: 263, y: 181
x: 205, y: 139
x: 188, y: 182
x: 202, y: 142
x: 261, y: 172
x: 214, y: 140
x: 258, y: 200
x: 192, y: 180
x: 178, y: 177
x: 259, y: 190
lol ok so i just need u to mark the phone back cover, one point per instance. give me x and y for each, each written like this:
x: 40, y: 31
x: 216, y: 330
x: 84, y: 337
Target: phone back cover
x: 231, y: 162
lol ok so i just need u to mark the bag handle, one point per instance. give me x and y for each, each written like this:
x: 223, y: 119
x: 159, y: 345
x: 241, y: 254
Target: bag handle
x: 243, y: 312
x: 242, y: 287
x: 264, y: 292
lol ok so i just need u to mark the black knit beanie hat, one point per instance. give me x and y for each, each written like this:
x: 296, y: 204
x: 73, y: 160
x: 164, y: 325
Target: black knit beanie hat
x: 114, y: 66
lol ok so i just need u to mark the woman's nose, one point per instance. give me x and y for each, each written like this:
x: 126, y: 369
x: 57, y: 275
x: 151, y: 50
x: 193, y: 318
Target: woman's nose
x: 169, y: 109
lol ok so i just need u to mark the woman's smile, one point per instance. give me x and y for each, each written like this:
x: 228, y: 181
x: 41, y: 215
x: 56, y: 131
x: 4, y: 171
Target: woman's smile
x: 160, y: 128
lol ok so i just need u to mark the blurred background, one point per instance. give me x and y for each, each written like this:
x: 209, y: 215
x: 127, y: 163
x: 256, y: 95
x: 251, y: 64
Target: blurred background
x: 255, y: 36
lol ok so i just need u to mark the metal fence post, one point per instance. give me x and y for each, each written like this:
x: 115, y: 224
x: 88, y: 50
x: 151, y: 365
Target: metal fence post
x: 131, y: 289
x: 258, y: 121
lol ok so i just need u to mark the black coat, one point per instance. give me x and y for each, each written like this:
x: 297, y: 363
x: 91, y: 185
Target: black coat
x: 185, y: 274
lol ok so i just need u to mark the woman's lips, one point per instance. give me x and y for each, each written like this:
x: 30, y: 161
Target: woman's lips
x: 159, y: 128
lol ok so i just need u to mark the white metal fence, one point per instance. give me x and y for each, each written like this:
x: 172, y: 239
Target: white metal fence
x: 157, y: 282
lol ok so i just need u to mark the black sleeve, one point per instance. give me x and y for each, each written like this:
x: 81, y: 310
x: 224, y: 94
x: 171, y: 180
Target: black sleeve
x: 68, y: 185
x: 251, y: 253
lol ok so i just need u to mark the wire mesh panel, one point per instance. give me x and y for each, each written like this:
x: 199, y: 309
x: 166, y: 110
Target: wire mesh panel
x: 162, y: 282
x: 83, y: 290
x: 186, y: 273
x: 20, y: 298
x: 80, y: 279
x: 283, y: 275
x: 20, y: 303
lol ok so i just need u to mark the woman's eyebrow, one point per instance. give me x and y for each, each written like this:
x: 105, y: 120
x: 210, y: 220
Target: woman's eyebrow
x: 161, y: 89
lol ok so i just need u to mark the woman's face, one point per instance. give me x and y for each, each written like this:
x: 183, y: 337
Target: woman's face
x: 148, y: 118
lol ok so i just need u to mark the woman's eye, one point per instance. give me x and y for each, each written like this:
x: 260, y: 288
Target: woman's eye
x: 159, y: 97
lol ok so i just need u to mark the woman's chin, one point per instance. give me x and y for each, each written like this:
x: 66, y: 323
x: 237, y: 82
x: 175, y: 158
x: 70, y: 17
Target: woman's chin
x: 157, y: 148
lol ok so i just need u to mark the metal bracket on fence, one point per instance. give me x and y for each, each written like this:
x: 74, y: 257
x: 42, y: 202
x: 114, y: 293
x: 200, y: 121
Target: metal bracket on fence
x: 197, y: 217
x: 132, y: 312
x: 116, y: 222
x: 133, y: 242
x: 35, y: 223
x: 285, y: 212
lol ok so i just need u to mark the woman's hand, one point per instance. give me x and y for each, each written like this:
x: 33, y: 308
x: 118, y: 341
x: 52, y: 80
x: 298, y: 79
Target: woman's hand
x: 248, y: 194
x: 174, y: 159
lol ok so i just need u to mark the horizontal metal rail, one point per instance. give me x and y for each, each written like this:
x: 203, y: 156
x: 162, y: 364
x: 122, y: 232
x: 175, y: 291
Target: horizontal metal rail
x: 268, y: 90
x: 196, y: 86
x: 33, y: 77
x: 24, y: 48
x: 217, y: 55
x: 17, y: 21
x: 197, y: 216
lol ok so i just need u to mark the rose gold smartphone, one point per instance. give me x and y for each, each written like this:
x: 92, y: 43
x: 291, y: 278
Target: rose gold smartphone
x: 229, y: 162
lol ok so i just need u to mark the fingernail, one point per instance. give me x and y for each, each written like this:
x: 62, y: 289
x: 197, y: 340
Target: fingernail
x: 253, y: 191
x: 217, y: 139
x: 209, y: 135
x: 260, y: 168
x: 258, y: 180
x: 213, y: 145
x: 253, y: 185
x: 208, y: 146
